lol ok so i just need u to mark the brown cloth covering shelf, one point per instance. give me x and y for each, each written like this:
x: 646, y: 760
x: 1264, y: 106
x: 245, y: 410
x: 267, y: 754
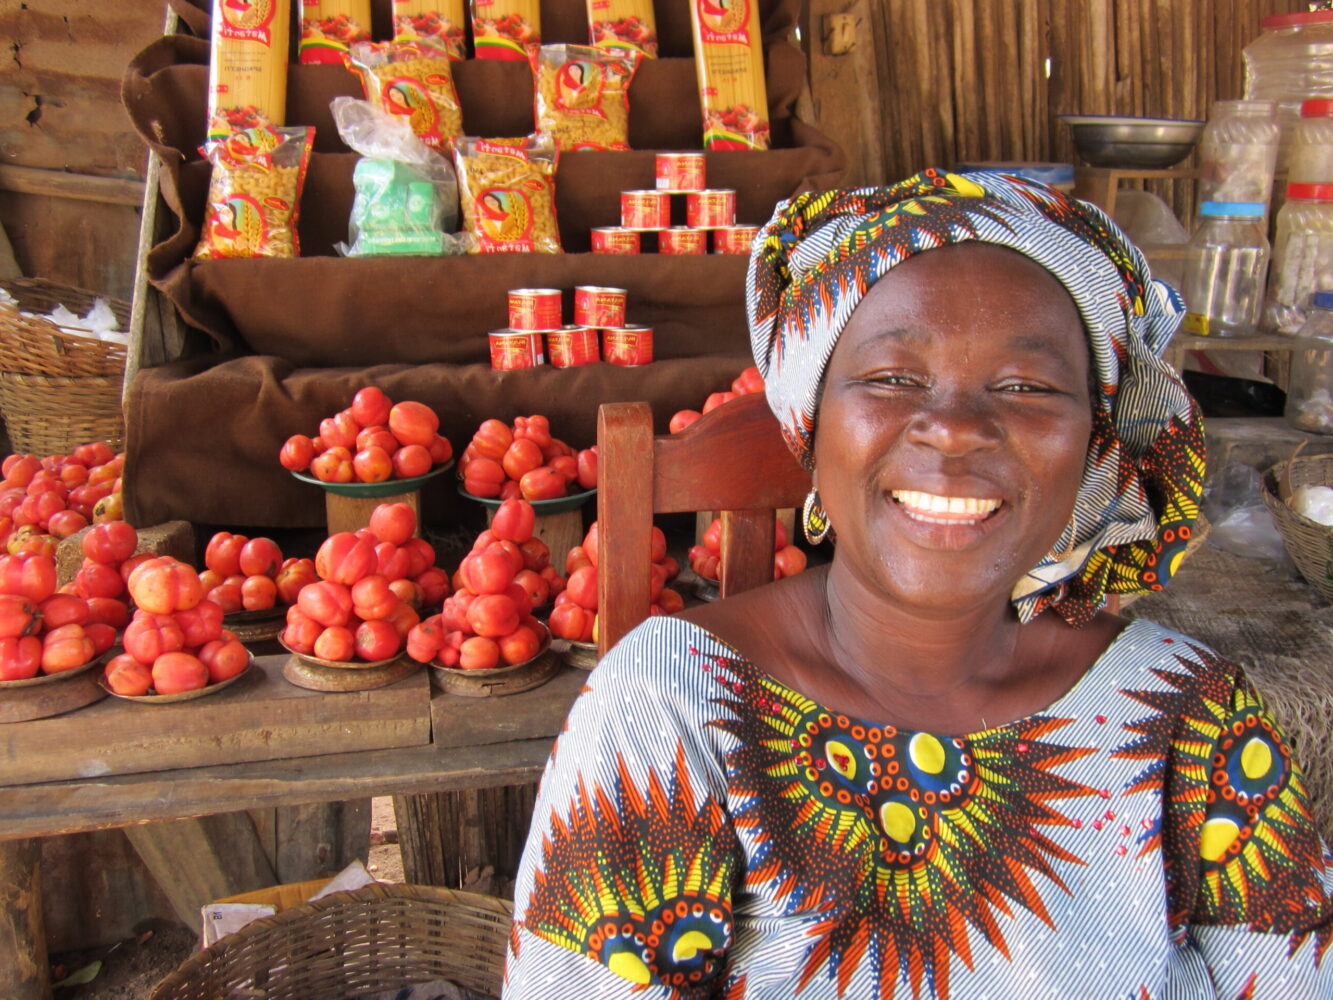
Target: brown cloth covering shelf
x: 275, y: 345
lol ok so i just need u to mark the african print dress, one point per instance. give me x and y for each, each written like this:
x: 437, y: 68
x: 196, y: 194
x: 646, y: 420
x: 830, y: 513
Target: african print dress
x: 704, y: 830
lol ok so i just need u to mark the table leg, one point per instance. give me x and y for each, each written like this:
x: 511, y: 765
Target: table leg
x: 24, y: 973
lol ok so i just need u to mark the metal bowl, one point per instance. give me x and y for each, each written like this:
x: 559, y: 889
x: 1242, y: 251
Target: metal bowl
x: 1143, y: 143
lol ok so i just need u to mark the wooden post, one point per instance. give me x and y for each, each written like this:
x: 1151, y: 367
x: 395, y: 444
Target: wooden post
x: 353, y: 513
x: 24, y: 973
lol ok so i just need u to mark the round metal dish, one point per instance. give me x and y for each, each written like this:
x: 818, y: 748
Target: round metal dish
x: 581, y: 655
x: 500, y: 680
x: 51, y: 694
x: 316, y: 661
x: 555, y: 506
x: 1128, y: 142
x: 171, y: 699
x: 388, y: 488
x: 41, y: 679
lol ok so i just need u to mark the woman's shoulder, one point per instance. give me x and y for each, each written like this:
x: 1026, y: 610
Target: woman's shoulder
x: 1146, y: 652
x: 662, y: 655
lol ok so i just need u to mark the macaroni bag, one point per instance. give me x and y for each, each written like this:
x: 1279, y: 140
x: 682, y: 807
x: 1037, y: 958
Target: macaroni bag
x: 415, y: 80
x: 507, y: 190
x: 582, y: 96
x: 254, y: 193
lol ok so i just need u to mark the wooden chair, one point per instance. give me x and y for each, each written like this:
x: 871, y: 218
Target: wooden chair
x: 733, y: 460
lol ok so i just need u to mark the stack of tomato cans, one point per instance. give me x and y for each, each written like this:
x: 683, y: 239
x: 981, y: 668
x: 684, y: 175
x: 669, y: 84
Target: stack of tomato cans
x: 599, y: 331
x: 598, y: 308
x: 532, y: 313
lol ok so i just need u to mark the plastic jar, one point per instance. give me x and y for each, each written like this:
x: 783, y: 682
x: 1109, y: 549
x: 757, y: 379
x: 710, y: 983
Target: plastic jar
x: 1238, y: 152
x: 1226, y: 262
x: 1310, y: 389
x: 1312, y: 144
x: 1302, y: 255
x: 1290, y: 61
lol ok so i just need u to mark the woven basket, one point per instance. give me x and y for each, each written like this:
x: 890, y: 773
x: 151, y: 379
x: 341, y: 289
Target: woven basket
x: 58, y: 390
x: 1309, y: 543
x: 352, y: 944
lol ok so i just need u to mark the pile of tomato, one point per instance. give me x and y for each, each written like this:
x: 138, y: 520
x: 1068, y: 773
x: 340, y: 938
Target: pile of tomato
x: 706, y: 559
x: 748, y: 381
x: 43, y: 500
x: 251, y: 574
x: 524, y: 460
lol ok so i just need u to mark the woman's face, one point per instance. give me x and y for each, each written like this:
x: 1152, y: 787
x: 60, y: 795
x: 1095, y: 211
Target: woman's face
x: 953, y: 426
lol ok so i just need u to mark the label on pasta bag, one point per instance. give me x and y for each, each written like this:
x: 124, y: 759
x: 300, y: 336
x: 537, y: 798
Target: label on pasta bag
x: 729, y: 62
x: 247, y: 67
x: 329, y: 28
x: 436, y: 21
x: 248, y: 22
x: 506, y: 190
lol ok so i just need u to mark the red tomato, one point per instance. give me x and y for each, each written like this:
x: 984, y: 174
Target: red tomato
x: 372, y: 598
x: 63, y: 609
x: 582, y: 587
x: 225, y: 658
x: 372, y: 465
x: 64, y: 523
x: 570, y: 621
x: 294, y: 574
x: 587, y: 468
x: 126, y: 675
x: 590, y: 543
x: 201, y: 623
x: 553, y: 579
x: 327, y: 602
x: 493, y: 615
x: 65, y: 648
x: 535, y: 585
x: 426, y: 639
x: 377, y: 437
x: 450, y: 652
x: 484, y: 477
x: 670, y: 601
x: 672, y: 567
x: 510, y: 490
x: 413, y: 423
x: 296, y: 453
x: 344, y: 558
x: 175, y: 673
x: 577, y: 558
x: 336, y: 643
x: 717, y: 399
x: 657, y: 580
x: 103, y: 637
x: 392, y: 562
x: 21, y: 471
x: 33, y: 576
x: 134, y: 562
x: 223, y: 553
x: 543, y: 483
x: 164, y: 585
x: 713, y: 536
x: 260, y: 557
x: 536, y: 556
x: 434, y: 584
x: 440, y: 450
x: 259, y: 593
x: 394, y: 523
x: 334, y: 465
x: 478, y: 653
x: 148, y: 636
x: 536, y: 428
x: 18, y: 616
x: 371, y: 406
x: 488, y: 572
x: 493, y: 439
x: 657, y: 545
x: 339, y: 430
x: 521, y: 598
x: 511, y: 551
x: 301, y: 635
x: 409, y: 591
x: 421, y: 555
x: 227, y: 595
x: 377, y: 640
x: 454, y: 611
x: 788, y: 562
x: 748, y: 381
x: 780, y: 539
x: 108, y: 611
x: 404, y: 617
x: 522, y: 456
x: 20, y: 657
x: 567, y: 466
x: 519, y: 646
x: 411, y: 460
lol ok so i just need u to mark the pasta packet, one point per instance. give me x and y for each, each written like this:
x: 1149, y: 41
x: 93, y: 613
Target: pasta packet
x: 437, y: 21
x: 414, y: 80
x: 330, y: 27
x: 503, y: 29
x: 254, y: 193
x: 623, y: 25
x: 247, y: 66
x: 729, y: 61
x: 507, y: 189
x: 406, y: 198
x: 582, y: 96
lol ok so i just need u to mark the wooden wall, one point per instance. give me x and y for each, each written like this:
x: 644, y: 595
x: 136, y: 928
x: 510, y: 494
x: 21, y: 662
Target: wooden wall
x: 939, y: 82
x: 70, y: 165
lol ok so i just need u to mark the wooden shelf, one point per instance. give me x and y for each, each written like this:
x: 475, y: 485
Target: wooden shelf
x: 1100, y: 185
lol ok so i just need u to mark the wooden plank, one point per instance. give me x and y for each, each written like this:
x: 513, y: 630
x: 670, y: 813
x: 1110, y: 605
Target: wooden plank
x: 458, y: 722
x: 24, y: 974
x: 66, y: 184
x: 196, y: 861
x: 98, y: 804
x: 451, y: 838
x: 625, y: 516
x: 747, y: 550
x: 319, y: 839
x: 261, y: 717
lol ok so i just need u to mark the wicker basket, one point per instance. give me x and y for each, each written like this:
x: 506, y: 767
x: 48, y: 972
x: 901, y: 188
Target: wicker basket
x: 351, y: 944
x: 1309, y: 543
x: 58, y: 390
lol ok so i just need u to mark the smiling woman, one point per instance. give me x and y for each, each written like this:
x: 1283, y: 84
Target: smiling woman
x: 937, y: 768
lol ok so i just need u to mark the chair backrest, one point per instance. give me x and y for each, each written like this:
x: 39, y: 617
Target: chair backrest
x: 733, y: 460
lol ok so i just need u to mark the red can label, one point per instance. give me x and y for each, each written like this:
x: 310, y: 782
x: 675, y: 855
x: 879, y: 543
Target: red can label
x: 734, y: 239
x: 574, y: 345
x: 628, y: 345
x: 682, y: 240
x: 615, y: 239
x: 599, y: 307
x: 710, y: 209
x: 512, y: 349
x: 645, y: 209
x: 535, y: 309
x: 680, y: 171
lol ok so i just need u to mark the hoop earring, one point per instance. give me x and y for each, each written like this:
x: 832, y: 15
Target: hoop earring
x: 814, y: 519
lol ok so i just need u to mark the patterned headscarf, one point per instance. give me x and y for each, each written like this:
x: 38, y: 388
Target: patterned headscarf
x: 1143, y: 476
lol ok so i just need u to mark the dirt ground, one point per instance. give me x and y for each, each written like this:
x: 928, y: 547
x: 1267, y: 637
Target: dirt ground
x: 131, y: 968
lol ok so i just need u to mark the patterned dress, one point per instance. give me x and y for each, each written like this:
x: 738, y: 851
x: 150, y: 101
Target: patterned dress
x: 705, y: 830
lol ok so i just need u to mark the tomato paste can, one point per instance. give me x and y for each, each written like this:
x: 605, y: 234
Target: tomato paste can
x: 627, y: 345
x: 734, y: 239
x: 682, y: 240
x: 680, y: 171
x: 599, y: 307
x: 574, y: 345
x: 511, y: 349
x: 710, y: 209
x: 535, y: 309
x: 615, y: 239
x: 645, y: 209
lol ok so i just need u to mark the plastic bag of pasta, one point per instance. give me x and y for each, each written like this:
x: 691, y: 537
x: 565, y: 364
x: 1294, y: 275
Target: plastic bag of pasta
x: 415, y: 80
x: 406, y: 199
x: 583, y: 95
x: 507, y: 190
x: 254, y: 193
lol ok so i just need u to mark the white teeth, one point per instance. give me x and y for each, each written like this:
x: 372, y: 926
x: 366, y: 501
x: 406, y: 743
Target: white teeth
x: 958, y: 508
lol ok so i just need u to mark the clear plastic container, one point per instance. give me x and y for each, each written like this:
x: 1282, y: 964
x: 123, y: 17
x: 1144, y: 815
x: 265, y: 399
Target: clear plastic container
x: 1226, y: 262
x: 1310, y: 389
x: 1312, y: 144
x: 1302, y: 255
x: 1238, y: 152
x: 1290, y: 61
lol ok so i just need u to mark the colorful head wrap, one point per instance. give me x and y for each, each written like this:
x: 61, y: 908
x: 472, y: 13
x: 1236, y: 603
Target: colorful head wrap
x: 1143, y: 476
